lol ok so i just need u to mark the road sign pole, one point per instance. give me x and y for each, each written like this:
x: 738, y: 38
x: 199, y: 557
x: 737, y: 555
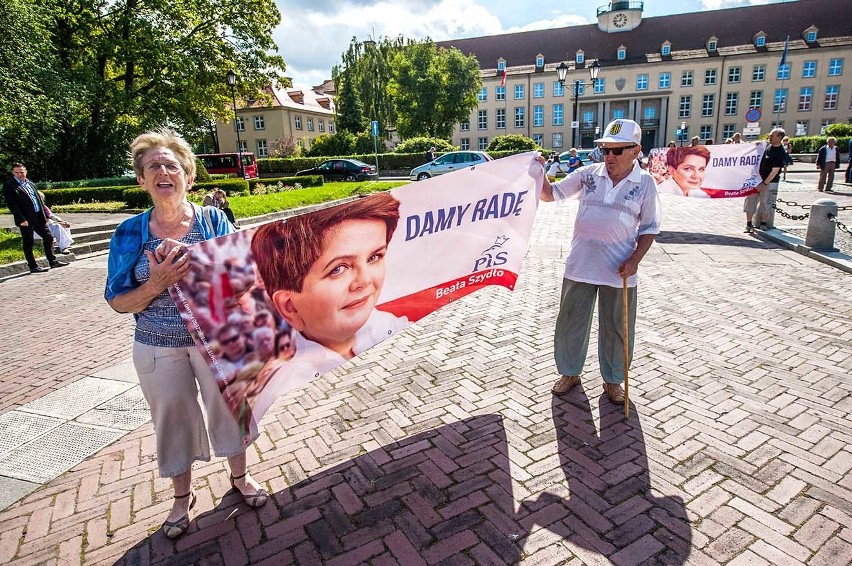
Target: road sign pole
x: 374, y: 126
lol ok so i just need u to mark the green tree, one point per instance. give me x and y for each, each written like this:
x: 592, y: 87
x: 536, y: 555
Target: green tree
x: 513, y: 142
x: 340, y: 143
x: 422, y: 145
x: 432, y: 89
x: 118, y: 68
x: 350, y: 115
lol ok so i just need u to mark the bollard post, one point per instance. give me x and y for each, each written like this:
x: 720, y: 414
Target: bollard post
x: 820, y: 234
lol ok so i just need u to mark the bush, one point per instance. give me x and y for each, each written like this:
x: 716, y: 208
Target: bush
x: 136, y: 198
x: 302, y: 182
x: 811, y: 144
x: 124, y: 181
x: 56, y: 197
x: 340, y: 143
x: 839, y: 130
x: 201, y: 174
x: 513, y: 142
x: 422, y: 145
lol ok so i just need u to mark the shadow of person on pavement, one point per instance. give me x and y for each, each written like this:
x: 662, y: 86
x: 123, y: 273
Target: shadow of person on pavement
x: 443, y: 493
x: 669, y: 237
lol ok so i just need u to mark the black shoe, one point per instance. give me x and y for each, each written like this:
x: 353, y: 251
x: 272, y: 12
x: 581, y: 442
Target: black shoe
x: 763, y: 226
x: 749, y: 229
x: 38, y: 269
x: 57, y: 263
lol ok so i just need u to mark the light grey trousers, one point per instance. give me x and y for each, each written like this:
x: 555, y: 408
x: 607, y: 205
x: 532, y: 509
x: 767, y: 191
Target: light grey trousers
x: 574, y: 325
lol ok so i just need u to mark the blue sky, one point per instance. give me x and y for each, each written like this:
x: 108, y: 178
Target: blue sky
x: 313, y: 34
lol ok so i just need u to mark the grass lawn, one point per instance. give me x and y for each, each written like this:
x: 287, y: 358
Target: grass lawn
x: 11, y: 249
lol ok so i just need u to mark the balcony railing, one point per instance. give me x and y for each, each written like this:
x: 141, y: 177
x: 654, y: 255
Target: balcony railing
x: 619, y: 5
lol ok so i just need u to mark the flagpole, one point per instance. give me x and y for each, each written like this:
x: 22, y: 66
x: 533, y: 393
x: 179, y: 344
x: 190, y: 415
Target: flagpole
x: 783, y: 78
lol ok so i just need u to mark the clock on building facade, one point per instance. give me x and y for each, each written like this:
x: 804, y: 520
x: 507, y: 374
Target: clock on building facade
x: 619, y: 20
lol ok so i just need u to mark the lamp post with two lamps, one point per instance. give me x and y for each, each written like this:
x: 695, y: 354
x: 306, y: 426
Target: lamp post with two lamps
x: 561, y: 73
x: 231, y: 77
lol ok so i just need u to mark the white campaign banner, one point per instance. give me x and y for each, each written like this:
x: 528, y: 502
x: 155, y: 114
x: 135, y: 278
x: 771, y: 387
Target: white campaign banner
x: 707, y: 171
x: 274, y: 307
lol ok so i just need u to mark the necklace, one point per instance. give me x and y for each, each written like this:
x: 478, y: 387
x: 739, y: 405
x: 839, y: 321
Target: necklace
x: 171, y: 232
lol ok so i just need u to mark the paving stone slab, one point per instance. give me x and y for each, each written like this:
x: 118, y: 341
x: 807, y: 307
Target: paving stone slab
x: 76, y: 398
x: 18, y: 427
x: 124, y: 371
x: 127, y: 412
x: 12, y: 489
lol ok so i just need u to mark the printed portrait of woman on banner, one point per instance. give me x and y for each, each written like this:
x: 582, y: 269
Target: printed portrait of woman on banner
x: 701, y: 171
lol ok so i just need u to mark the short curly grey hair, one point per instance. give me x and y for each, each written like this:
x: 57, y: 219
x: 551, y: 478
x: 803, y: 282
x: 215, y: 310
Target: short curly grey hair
x: 162, y: 138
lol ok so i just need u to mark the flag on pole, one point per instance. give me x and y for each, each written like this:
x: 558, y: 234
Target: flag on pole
x: 503, y: 79
x: 784, y: 54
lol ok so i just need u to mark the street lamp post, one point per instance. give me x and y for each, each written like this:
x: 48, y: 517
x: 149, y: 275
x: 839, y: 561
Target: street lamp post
x: 231, y: 77
x: 561, y: 72
x: 682, y: 132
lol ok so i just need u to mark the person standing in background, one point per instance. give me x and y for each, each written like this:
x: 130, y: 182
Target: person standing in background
x: 828, y: 159
x: 430, y: 155
x: 761, y: 203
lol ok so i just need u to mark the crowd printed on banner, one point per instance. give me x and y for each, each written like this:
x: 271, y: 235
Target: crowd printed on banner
x: 274, y: 307
x: 707, y: 171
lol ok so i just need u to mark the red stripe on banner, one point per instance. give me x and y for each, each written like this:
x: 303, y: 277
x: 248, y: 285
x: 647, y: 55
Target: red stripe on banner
x: 729, y: 193
x: 419, y: 304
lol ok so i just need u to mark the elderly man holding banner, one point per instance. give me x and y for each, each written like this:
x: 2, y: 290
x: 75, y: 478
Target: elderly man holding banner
x: 617, y: 221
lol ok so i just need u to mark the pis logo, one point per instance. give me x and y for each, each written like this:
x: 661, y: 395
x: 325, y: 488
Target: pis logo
x: 493, y: 256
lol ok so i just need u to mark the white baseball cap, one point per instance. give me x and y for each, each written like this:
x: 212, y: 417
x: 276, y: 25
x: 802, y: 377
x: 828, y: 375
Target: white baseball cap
x: 622, y: 131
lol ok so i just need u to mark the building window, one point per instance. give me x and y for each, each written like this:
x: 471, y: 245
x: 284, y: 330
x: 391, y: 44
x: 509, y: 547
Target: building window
x: 500, y: 93
x: 588, y: 116
x: 618, y: 113
x: 464, y: 144
x: 244, y: 145
x: 642, y: 82
x: 734, y: 75
x: 520, y: 116
x: 321, y: 125
x: 240, y: 124
x: 501, y: 65
x: 705, y: 132
x: 581, y: 57
x: 259, y: 123
x: 557, y: 139
x: 784, y: 72
x: 622, y: 54
x: 539, y: 62
x: 310, y: 124
x: 685, y: 106
x: 483, y: 94
x: 665, y: 80
x: 331, y: 126
x: 760, y: 41
x: 835, y: 67
x: 708, y: 103
x: 558, y: 115
x: 558, y: 88
x: 831, y: 93
x: 519, y: 92
x: 465, y: 126
x: 666, y: 50
x: 500, y: 119
x: 806, y: 96
x: 538, y: 116
x: 756, y: 99
x: 709, y: 77
x: 686, y: 78
x: 779, y: 103
x: 581, y: 88
x: 809, y: 69
x: 712, y: 45
x: 649, y: 113
x: 811, y: 37
x: 538, y: 139
x: 482, y: 143
x: 732, y: 103
x: 728, y: 130
x: 297, y: 121
x: 801, y: 128
x: 600, y: 85
x: 261, y: 148
x: 758, y: 74
x: 538, y: 90
x: 482, y: 119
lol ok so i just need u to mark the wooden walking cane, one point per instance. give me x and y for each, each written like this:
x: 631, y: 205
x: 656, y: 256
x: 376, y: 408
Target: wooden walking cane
x: 626, y: 349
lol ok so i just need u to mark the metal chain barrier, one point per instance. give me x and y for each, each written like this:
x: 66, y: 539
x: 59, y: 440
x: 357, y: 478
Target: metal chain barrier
x: 791, y: 216
x: 843, y: 227
x: 791, y: 203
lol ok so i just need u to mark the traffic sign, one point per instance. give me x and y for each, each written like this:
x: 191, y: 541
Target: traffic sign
x: 751, y: 131
x: 375, y: 127
x: 753, y: 115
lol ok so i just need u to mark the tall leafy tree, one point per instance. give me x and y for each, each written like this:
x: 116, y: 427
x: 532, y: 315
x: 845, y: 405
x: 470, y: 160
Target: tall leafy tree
x: 432, y: 89
x: 350, y: 115
x: 124, y: 66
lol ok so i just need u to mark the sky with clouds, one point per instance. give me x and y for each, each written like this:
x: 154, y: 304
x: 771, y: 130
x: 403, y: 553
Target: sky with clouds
x: 314, y: 34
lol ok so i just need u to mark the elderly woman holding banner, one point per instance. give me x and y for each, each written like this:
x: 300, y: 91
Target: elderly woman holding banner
x: 148, y: 254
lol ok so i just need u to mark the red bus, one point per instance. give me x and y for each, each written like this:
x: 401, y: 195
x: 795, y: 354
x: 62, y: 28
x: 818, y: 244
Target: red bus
x: 216, y: 163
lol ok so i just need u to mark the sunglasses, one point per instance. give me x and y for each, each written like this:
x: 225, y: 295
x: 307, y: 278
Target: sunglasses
x: 616, y: 150
x: 230, y: 340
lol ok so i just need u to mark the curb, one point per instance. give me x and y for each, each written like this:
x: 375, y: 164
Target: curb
x: 834, y: 259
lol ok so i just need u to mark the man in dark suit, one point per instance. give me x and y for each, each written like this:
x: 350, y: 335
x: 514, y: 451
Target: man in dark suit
x: 828, y: 159
x: 30, y: 216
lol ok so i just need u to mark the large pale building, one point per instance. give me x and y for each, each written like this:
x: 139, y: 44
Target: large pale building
x: 303, y: 113
x: 700, y: 73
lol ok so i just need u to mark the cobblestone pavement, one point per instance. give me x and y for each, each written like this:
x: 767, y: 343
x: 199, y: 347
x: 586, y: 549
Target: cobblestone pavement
x: 443, y: 445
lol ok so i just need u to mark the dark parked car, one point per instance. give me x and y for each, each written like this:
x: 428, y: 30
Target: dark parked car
x: 343, y: 170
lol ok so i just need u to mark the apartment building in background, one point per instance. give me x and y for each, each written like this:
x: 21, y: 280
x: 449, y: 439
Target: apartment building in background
x: 303, y: 113
x: 700, y: 71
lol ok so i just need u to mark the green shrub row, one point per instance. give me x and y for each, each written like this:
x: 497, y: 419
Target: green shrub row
x: 124, y: 181
x: 811, y: 144
x: 138, y: 198
x: 54, y: 197
x: 304, y: 181
x: 387, y: 161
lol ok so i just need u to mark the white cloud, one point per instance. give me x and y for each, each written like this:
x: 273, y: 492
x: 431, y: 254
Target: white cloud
x: 313, y: 36
x: 718, y: 4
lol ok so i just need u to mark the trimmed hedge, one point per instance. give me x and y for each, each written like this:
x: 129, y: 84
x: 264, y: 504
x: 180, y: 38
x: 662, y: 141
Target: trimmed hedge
x: 138, y: 198
x: 387, y: 161
x: 124, y: 181
x: 84, y: 194
x: 811, y: 144
x: 304, y: 181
